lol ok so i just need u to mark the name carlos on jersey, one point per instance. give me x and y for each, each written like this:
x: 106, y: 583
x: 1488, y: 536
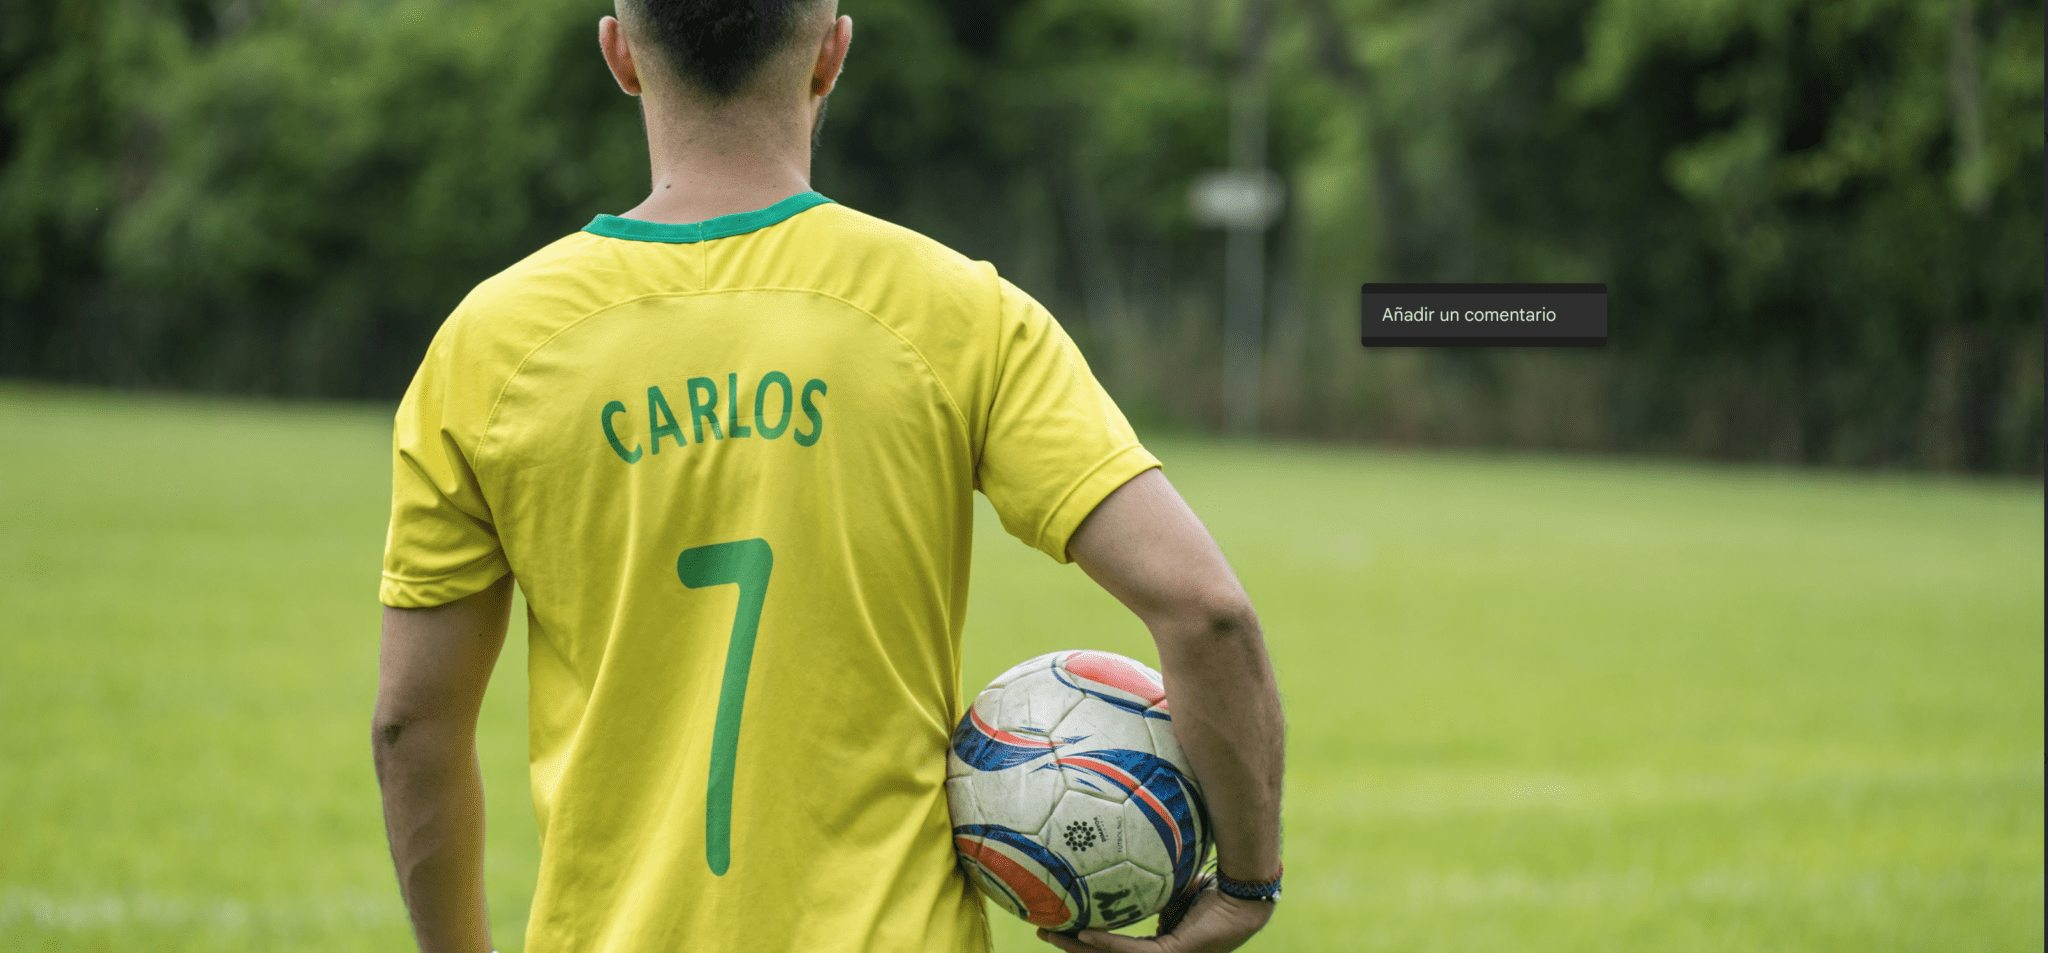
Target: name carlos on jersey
x: 702, y: 400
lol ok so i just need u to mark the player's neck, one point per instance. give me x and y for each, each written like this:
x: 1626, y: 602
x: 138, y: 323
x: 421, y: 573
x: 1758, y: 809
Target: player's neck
x: 704, y: 168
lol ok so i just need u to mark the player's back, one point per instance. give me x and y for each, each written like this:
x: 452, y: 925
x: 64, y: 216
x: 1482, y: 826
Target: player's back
x: 732, y: 465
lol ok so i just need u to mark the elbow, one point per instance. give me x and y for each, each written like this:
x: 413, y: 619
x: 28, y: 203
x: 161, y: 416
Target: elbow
x: 1214, y: 618
x: 395, y: 728
x: 414, y: 732
x: 1230, y: 621
x: 385, y: 734
x: 403, y: 743
x: 384, y: 737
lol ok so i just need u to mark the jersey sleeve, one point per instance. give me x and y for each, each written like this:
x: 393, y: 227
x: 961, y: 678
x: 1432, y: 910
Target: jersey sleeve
x: 442, y: 544
x: 1054, y: 442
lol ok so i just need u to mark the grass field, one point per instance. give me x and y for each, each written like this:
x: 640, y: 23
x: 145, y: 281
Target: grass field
x: 1535, y: 705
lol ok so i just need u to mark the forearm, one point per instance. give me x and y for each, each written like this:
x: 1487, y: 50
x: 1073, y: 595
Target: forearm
x: 434, y: 818
x: 1226, y: 715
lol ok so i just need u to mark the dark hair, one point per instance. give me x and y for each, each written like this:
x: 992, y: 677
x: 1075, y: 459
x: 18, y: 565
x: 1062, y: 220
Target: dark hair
x: 717, y: 45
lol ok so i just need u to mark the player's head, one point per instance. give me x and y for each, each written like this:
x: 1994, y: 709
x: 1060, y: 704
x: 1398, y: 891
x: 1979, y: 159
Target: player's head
x: 726, y: 55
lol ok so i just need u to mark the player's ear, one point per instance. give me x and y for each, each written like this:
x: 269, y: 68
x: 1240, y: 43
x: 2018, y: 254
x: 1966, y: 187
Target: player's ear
x: 617, y: 55
x: 831, y: 56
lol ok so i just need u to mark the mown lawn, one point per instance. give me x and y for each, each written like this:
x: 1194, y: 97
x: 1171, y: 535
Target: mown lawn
x: 1535, y: 705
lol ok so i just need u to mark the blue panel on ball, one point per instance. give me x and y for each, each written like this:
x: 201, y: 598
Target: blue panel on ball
x: 1162, y: 794
x: 985, y: 748
x: 1062, y: 872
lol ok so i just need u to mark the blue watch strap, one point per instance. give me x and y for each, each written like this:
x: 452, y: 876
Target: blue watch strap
x: 1259, y: 890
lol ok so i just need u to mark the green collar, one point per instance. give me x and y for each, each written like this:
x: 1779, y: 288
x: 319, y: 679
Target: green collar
x: 724, y: 226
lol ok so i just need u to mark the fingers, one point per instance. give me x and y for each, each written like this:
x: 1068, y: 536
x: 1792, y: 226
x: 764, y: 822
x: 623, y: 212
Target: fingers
x: 1066, y: 943
x: 1177, y: 908
x: 1099, y: 941
x: 1118, y: 943
x: 1212, y: 923
x: 1216, y: 924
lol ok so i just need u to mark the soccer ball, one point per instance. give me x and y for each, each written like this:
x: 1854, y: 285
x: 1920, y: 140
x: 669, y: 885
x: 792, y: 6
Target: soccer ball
x: 1072, y: 803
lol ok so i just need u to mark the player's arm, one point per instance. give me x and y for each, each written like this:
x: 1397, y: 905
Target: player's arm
x: 432, y: 670
x: 1146, y: 547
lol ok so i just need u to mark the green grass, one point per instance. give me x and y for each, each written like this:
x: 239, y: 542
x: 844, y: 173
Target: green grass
x: 1535, y: 705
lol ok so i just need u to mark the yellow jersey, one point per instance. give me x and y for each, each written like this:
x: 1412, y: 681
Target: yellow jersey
x: 731, y: 466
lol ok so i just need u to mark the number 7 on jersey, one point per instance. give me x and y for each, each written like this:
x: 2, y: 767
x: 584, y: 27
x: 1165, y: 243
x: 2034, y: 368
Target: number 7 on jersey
x: 745, y: 563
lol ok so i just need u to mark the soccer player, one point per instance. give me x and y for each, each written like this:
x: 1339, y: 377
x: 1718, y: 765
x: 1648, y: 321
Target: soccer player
x: 727, y: 443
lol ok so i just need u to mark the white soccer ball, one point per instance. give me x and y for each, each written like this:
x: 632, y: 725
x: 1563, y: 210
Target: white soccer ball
x: 1072, y: 803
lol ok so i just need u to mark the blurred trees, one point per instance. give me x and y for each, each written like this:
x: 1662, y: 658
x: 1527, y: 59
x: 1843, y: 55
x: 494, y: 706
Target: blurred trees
x: 1820, y: 222
x: 286, y: 196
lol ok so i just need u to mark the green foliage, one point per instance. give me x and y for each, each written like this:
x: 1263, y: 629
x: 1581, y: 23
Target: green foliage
x: 1820, y: 221
x: 1817, y: 246
x: 308, y: 191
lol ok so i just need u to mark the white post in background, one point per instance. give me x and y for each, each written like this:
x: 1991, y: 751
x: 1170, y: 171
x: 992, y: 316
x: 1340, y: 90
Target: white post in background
x: 1244, y: 199
x: 1244, y: 274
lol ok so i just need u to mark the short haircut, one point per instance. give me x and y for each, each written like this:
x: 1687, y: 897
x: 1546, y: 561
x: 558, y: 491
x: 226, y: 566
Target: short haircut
x: 717, y: 45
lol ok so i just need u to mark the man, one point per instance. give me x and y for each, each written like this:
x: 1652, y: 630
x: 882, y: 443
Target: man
x: 727, y: 443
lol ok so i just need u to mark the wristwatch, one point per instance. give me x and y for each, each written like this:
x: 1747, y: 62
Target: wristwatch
x: 1262, y: 891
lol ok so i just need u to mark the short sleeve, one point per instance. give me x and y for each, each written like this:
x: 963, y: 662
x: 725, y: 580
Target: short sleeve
x: 1054, y: 442
x: 442, y: 545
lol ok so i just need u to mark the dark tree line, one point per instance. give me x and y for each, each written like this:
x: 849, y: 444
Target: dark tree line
x: 1820, y: 222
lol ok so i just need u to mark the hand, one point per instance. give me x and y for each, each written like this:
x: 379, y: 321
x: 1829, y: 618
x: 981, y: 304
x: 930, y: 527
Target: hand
x: 1218, y: 923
